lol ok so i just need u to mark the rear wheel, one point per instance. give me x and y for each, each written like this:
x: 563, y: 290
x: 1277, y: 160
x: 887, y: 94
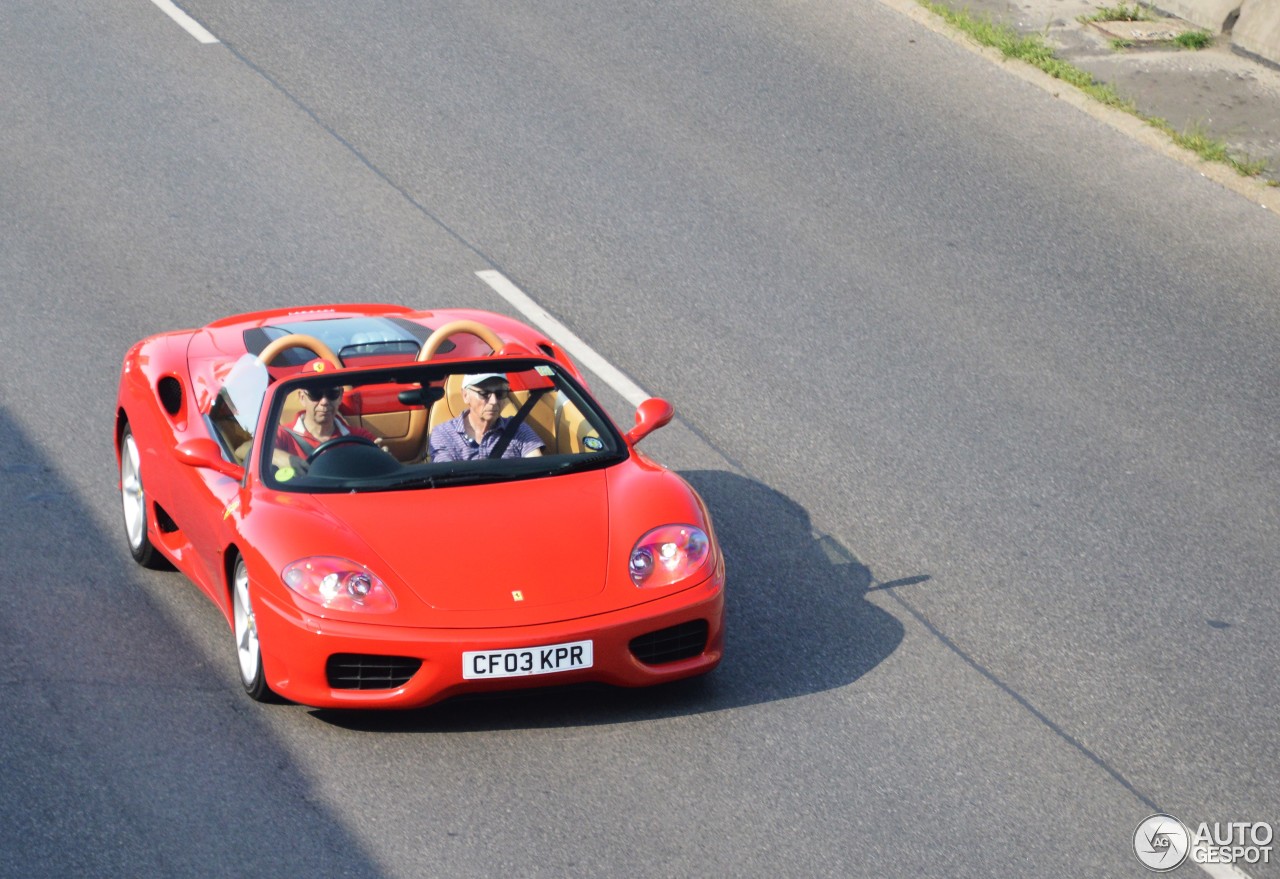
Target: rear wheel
x: 244, y: 625
x: 133, y: 500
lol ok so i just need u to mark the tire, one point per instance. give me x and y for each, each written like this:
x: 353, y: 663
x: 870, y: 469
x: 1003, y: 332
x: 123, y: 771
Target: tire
x: 248, y: 649
x: 133, y: 500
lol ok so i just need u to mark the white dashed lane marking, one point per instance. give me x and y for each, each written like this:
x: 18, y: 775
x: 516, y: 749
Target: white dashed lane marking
x: 566, y: 338
x: 186, y: 22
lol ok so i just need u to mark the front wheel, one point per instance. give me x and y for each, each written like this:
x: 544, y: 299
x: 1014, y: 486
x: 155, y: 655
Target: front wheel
x: 248, y: 650
x: 133, y: 500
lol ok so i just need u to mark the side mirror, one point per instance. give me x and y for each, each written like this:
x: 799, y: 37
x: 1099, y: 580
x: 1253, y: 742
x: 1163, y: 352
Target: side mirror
x: 205, y: 453
x: 650, y: 415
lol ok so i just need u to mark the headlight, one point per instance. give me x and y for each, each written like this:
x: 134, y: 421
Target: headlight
x: 338, y: 584
x: 668, y: 555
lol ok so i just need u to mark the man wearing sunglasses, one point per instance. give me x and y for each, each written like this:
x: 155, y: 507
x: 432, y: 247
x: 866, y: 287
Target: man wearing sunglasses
x: 318, y: 422
x: 477, y: 431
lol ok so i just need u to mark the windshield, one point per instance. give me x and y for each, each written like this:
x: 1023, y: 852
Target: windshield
x: 433, y: 425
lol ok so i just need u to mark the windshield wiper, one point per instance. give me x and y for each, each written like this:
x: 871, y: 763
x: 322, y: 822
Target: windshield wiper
x: 527, y: 468
x: 418, y: 480
x: 583, y: 462
x: 450, y: 477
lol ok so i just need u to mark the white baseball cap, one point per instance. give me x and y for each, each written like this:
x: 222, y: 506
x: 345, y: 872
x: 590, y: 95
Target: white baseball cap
x: 479, y: 378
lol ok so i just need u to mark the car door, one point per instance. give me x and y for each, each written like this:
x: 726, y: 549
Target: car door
x: 214, y: 496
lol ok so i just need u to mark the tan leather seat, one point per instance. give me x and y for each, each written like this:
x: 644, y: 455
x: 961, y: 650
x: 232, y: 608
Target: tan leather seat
x: 542, y: 418
x: 396, y: 430
x: 449, y: 406
x: 571, y: 429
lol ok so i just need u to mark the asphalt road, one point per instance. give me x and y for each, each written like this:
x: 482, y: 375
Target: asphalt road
x: 982, y: 394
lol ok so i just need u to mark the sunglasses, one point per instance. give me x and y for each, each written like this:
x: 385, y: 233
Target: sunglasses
x: 329, y: 394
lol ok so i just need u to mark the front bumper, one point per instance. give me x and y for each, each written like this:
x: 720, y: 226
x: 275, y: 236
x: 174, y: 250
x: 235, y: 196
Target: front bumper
x: 296, y: 647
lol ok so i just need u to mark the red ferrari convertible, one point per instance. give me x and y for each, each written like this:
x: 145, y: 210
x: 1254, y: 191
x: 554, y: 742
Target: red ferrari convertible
x: 393, y: 507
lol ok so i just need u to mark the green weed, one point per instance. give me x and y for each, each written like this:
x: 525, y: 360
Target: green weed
x: 1123, y: 12
x: 1033, y: 50
x: 1194, y: 40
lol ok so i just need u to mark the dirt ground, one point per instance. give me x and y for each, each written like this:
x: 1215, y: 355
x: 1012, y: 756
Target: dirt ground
x: 1215, y: 91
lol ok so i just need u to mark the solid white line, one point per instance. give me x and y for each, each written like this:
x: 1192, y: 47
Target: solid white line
x: 187, y: 23
x: 578, y: 349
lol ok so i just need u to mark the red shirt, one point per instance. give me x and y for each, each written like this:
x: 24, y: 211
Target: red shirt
x: 292, y: 440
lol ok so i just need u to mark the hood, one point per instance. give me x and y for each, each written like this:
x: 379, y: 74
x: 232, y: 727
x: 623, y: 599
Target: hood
x: 503, y: 546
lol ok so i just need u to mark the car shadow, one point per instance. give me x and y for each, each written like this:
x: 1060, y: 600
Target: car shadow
x: 797, y: 622
x: 127, y: 752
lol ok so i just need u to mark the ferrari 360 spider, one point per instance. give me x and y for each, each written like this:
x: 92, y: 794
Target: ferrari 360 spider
x: 319, y: 474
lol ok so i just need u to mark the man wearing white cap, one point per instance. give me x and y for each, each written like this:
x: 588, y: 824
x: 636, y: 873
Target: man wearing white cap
x: 476, y: 432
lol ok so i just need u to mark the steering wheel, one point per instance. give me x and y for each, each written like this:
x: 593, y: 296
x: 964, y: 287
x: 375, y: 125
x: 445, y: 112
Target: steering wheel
x: 299, y: 340
x: 335, y: 441
x: 454, y: 328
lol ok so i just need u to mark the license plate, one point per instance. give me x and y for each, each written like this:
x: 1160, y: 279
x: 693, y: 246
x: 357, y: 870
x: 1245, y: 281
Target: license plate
x: 484, y: 664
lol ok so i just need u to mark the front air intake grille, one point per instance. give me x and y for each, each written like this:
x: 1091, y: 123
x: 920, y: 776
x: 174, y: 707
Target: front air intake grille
x: 357, y: 671
x: 671, y: 645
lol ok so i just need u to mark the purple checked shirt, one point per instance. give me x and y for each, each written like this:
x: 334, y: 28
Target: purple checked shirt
x: 449, y: 441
